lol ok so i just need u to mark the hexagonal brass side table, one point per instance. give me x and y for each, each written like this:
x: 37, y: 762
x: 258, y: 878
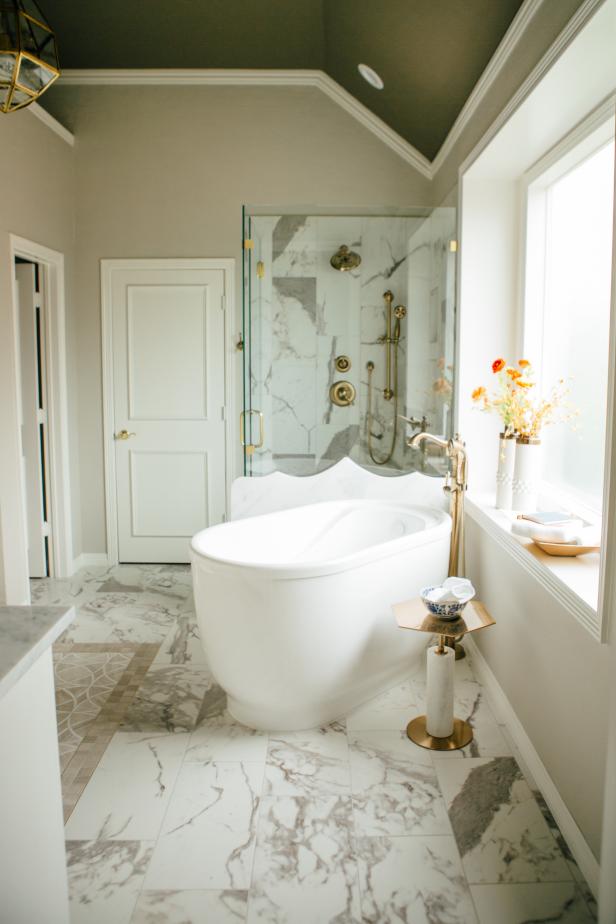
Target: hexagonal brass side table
x: 413, y: 614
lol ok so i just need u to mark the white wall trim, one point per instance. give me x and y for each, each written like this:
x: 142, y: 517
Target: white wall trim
x: 52, y: 265
x: 554, y: 52
x: 90, y: 560
x: 506, y: 714
x: 495, y: 65
x: 257, y: 78
x: 566, y: 597
x: 108, y: 267
x: 43, y: 116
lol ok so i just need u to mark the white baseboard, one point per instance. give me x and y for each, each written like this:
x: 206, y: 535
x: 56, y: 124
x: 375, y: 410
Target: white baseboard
x: 90, y: 560
x: 505, y: 714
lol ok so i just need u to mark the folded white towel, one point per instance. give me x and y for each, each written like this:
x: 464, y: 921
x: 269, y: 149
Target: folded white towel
x: 453, y: 590
x: 568, y: 532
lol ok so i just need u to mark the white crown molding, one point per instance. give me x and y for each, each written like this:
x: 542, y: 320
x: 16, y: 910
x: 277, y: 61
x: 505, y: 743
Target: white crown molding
x: 258, y: 78
x: 495, y: 65
x: 554, y: 52
x: 43, y: 116
x: 332, y: 89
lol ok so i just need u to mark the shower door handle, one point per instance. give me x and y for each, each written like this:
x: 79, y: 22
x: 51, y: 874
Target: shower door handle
x: 250, y: 447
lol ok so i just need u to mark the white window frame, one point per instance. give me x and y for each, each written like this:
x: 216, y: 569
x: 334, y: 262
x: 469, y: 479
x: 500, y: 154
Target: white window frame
x: 593, y: 133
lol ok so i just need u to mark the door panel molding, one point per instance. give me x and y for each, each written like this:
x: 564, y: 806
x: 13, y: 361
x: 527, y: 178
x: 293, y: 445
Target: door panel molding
x: 109, y: 269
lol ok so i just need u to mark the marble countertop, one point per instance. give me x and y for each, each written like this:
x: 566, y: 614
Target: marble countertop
x: 25, y: 633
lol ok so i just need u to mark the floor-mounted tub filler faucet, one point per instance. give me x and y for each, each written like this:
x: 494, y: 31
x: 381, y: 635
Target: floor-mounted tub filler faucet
x: 455, y: 487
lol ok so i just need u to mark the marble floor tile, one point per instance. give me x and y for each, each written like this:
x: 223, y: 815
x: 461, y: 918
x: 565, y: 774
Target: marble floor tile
x: 501, y: 833
x: 470, y: 704
x: 130, y: 789
x: 392, y: 709
x: 212, y: 907
x: 219, y: 737
x: 304, y: 868
x: 308, y: 763
x: 169, y: 699
x: 182, y: 644
x: 413, y: 879
x: 105, y: 878
x: 394, y: 786
x: 123, y: 617
x: 208, y: 835
x: 530, y: 902
x: 83, y: 681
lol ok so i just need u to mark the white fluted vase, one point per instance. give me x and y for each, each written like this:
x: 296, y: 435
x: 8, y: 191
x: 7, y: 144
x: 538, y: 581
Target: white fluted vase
x: 504, y: 471
x: 526, y: 475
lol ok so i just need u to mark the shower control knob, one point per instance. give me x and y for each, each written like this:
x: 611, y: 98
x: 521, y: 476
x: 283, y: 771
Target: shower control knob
x: 342, y: 394
x: 400, y: 312
x: 342, y: 363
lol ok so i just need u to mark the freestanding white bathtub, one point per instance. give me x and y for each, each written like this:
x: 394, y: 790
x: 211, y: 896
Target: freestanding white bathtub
x: 294, y: 606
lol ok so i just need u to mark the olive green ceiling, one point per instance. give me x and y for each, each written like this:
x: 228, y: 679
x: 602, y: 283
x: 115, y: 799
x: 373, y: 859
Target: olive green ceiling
x: 430, y: 53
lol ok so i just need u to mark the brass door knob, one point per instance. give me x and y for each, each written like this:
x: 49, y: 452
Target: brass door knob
x: 342, y: 394
x: 123, y: 435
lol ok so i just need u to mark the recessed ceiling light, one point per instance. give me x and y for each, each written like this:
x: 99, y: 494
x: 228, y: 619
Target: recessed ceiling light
x: 371, y: 76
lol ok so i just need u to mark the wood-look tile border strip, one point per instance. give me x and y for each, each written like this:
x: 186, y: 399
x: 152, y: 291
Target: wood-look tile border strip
x: 99, y: 732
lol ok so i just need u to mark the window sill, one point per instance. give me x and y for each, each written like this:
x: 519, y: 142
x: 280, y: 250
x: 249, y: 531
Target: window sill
x: 574, y: 582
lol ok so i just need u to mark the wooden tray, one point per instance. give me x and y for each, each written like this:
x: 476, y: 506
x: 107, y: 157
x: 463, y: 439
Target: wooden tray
x: 562, y: 549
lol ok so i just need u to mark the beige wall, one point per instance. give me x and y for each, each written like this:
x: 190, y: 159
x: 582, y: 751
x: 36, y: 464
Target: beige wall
x: 37, y: 169
x: 164, y: 171
x: 555, y: 675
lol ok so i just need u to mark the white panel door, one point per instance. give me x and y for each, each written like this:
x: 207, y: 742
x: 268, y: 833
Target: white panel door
x: 168, y: 396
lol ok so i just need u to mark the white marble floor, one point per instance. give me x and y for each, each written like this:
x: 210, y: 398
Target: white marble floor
x: 190, y: 817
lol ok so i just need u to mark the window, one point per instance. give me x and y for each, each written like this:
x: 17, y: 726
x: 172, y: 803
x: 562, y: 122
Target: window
x: 570, y: 211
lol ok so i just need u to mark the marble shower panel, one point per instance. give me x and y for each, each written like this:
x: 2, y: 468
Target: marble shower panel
x: 304, y: 314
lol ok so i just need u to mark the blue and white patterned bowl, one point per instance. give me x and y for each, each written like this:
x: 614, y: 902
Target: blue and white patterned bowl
x: 442, y: 610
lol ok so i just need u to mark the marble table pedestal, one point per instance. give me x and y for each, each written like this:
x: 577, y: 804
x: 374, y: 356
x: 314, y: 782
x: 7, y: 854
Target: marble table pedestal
x: 439, y: 730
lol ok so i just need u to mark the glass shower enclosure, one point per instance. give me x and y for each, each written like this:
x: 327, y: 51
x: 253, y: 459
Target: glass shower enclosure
x: 348, y: 326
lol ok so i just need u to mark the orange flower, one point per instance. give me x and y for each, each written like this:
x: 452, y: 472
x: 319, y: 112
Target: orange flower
x: 478, y: 393
x: 497, y: 365
x: 524, y: 384
x: 514, y: 373
x: 523, y: 363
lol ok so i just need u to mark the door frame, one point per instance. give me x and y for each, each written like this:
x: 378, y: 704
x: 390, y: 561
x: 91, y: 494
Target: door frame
x: 108, y: 268
x: 51, y: 264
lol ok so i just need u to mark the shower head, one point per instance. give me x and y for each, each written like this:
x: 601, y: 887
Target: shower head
x: 345, y: 259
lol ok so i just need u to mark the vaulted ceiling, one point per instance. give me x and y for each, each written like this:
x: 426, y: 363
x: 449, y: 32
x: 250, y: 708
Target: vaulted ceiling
x: 429, y: 53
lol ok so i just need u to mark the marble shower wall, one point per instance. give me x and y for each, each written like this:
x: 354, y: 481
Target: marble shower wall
x: 304, y: 314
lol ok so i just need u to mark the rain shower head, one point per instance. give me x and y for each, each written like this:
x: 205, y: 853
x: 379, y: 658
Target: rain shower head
x: 345, y: 259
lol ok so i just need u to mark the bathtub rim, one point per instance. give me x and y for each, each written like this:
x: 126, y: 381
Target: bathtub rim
x: 311, y: 569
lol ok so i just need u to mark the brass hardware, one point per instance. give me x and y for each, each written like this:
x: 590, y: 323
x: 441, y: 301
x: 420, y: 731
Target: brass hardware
x: 28, y: 55
x: 456, y: 489
x: 342, y: 363
x: 461, y: 736
x: 415, y: 422
x: 260, y: 269
x: 390, y: 391
x: 342, y: 394
x: 453, y: 246
x: 248, y: 243
x: 240, y: 343
x: 345, y: 259
x: 123, y: 435
x: 249, y: 448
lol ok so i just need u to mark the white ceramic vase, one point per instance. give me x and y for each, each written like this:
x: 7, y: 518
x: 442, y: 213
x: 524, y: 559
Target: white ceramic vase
x: 526, y: 475
x: 504, y: 472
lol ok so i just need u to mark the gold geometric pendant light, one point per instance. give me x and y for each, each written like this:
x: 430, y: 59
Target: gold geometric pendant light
x: 28, y: 54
